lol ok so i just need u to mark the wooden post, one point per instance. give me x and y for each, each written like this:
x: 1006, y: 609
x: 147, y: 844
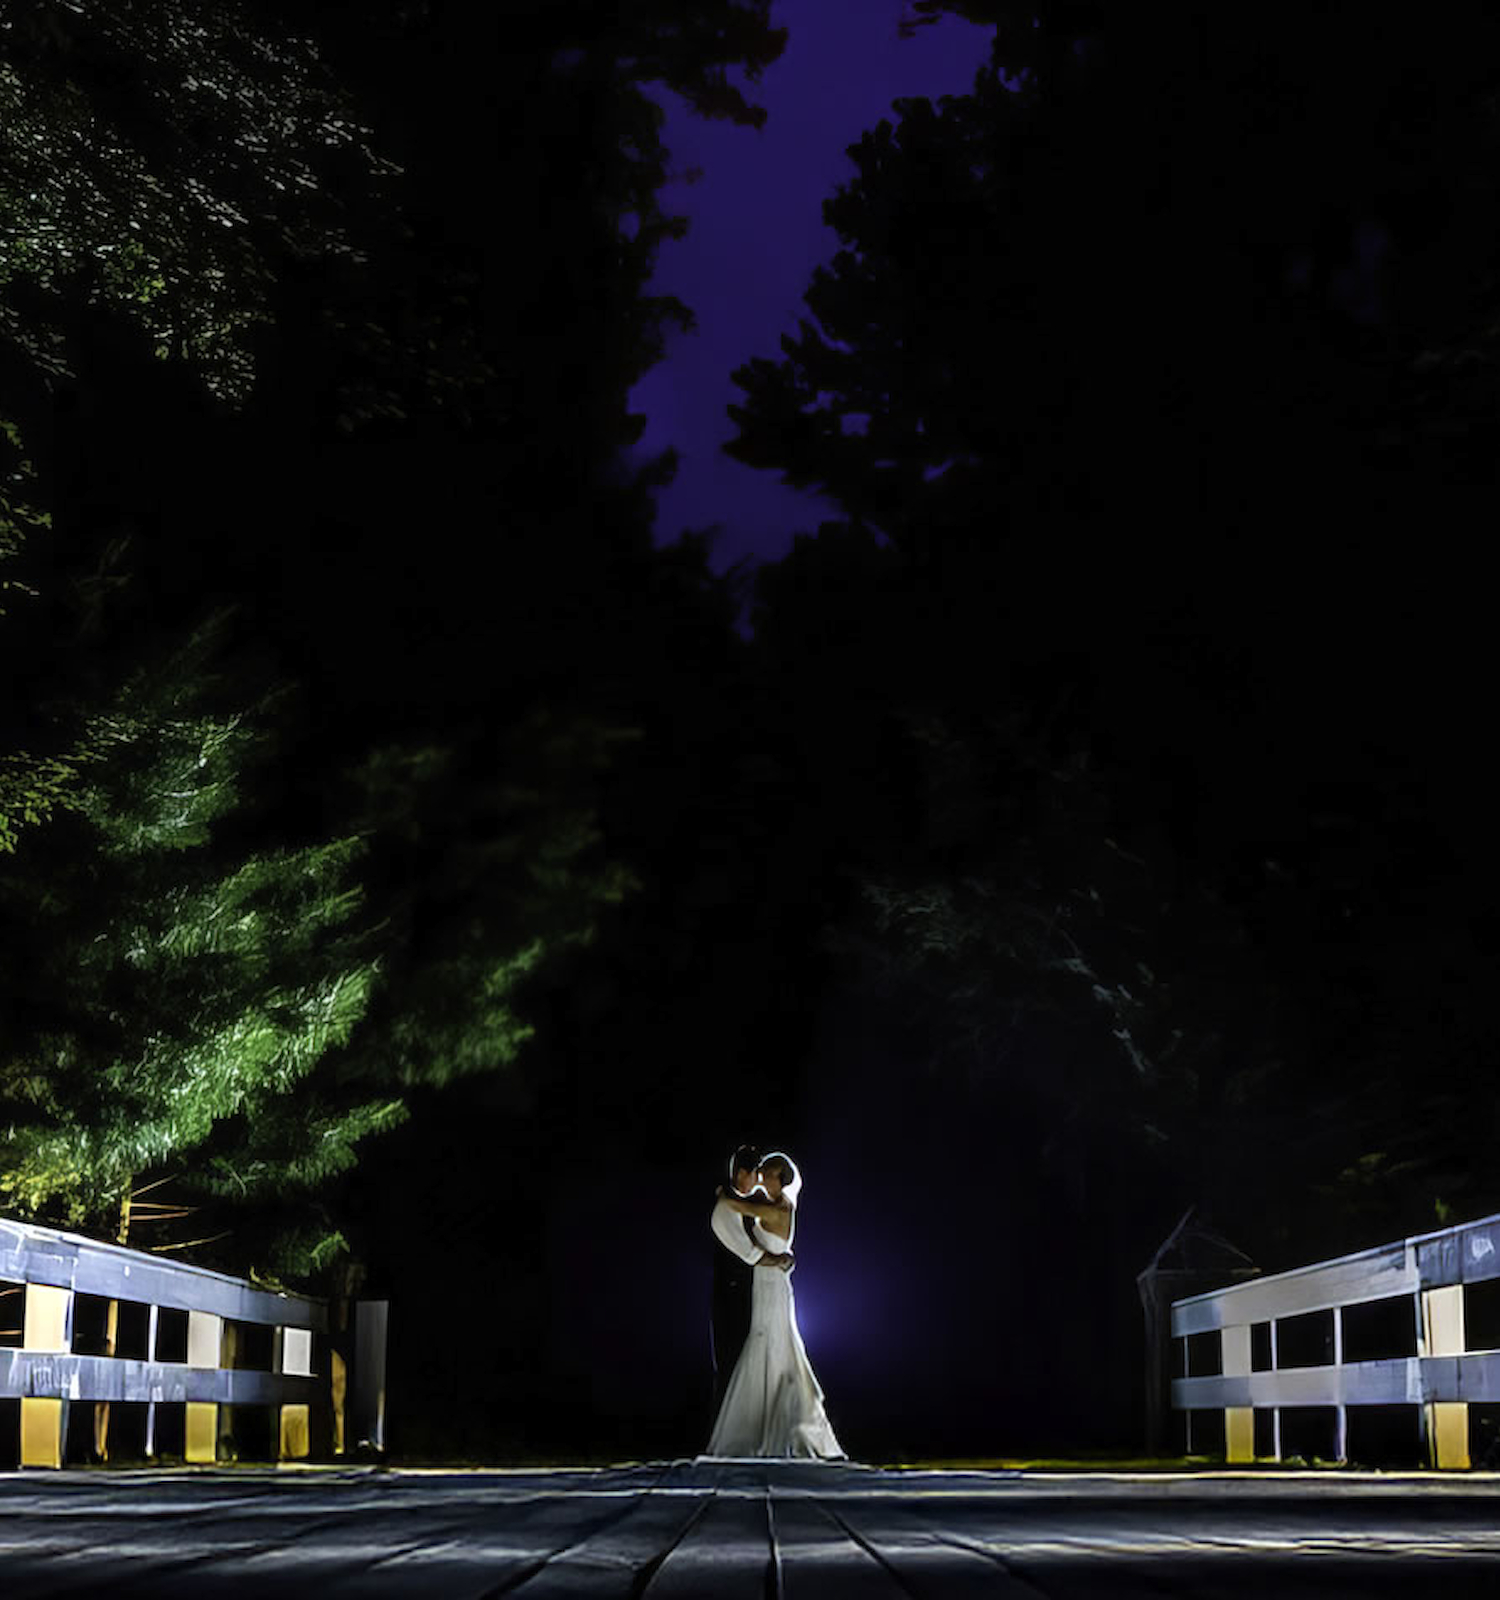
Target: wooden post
x: 111, y: 1334
x: 48, y: 1326
x: 293, y: 1354
x: 226, y: 1445
x: 1239, y: 1421
x: 1424, y: 1418
x: 151, y: 1321
x: 1275, y: 1410
x: 1447, y: 1421
x: 371, y: 1318
x: 1341, y: 1411
x: 201, y: 1426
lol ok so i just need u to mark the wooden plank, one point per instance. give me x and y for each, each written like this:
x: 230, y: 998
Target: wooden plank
x: 621, y: 1558
x: 1479, y: 1251
x: 1467, y: 1253
x: 1440, y: 1260
x: 1394, y: 1382
x: 1476, y: 1377
x: 31, y: 1254
x: 726, y: 1555
x: 70, y: 1377
x: 411, y: 1545
x: 1401, y: 1380
x: 925, y: 1556
x: 1351, y: 1280
x: 820, y: 1560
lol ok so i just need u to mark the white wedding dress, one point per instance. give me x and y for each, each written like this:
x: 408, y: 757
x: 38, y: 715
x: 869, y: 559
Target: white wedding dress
x: 774, y: 1404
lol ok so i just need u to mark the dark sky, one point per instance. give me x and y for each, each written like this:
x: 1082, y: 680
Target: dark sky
x: 756, y: 232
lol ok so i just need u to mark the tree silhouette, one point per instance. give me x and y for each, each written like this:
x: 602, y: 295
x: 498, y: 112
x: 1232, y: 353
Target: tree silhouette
x: 1135, y: 367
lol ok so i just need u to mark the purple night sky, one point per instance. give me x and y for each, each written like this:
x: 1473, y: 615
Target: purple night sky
x: 756, y: 232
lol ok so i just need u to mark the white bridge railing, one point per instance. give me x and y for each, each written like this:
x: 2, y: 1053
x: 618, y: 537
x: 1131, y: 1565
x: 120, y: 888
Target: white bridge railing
x: 1241, y: 1335
x: 191, y: 1344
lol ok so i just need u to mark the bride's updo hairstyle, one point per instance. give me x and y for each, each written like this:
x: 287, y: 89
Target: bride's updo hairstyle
x: 786, y: 1170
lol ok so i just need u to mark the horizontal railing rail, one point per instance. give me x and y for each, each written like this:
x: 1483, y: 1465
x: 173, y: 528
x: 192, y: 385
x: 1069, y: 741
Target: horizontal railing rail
x: 1440, y: 1377
x: 32, y: 1254
x: 54, y: 1375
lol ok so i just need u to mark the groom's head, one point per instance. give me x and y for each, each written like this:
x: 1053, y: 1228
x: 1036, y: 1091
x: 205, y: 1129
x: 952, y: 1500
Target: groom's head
x: 742, y: 1165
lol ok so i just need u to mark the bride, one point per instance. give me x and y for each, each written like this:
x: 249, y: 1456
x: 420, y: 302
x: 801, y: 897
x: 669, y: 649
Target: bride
x: 773, y: 1405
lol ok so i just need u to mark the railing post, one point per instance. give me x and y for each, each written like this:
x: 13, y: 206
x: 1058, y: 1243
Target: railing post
x: 1275, y: 1410
x: 151, y: 1325
x: 1341, y: 1411
x: 201, y: 1426
x: 371, y: 1319
x: 1447, y: 1421
x: 47, y: 1326
x: 293, y: 1354
x: 1239, y: 1421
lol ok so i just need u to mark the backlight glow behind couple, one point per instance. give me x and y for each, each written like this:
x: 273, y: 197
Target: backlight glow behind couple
x: 769, y: 1402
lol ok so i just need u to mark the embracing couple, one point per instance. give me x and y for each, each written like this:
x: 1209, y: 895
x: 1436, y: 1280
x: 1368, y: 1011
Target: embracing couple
x: 769, y: 1403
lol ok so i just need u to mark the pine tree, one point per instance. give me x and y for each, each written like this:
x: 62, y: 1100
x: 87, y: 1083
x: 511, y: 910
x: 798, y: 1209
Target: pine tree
x: 163, y: 975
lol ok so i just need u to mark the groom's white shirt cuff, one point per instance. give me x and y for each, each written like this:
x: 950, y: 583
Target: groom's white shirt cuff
x: 730, y: 1232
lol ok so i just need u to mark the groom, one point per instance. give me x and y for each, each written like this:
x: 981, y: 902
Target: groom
x: 734, y: 1271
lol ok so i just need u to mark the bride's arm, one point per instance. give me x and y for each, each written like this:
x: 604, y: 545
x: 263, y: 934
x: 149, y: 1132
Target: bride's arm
x: 761, y: 1210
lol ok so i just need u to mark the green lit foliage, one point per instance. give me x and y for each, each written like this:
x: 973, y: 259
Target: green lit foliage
x: 31, y: 788
x: 163, y: 980
x: 163, y: 154
x: 485, y: 871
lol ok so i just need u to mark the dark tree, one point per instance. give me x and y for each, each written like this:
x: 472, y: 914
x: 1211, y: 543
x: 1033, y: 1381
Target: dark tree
x: 1136, y: 365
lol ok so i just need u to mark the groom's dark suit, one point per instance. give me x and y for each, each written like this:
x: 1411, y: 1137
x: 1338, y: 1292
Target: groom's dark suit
x: 734, y: 1280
